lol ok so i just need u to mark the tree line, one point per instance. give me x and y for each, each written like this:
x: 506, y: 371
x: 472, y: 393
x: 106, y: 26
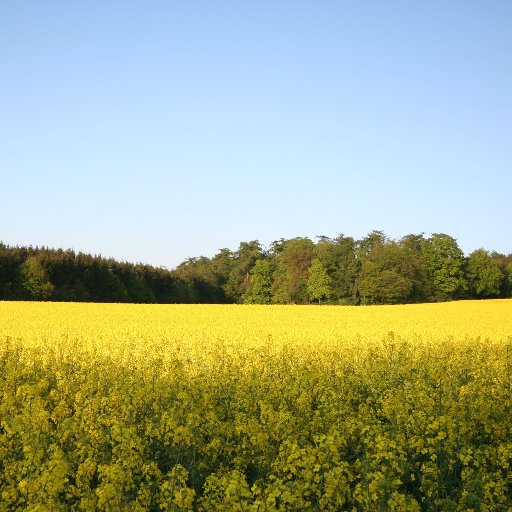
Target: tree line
x: 373, y: 270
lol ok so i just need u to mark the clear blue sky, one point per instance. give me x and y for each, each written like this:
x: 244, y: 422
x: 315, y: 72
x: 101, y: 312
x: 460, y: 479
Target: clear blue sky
x: 156, y: 131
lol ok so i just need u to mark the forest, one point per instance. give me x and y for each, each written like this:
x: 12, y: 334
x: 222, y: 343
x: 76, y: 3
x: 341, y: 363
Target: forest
x: 373, y: 270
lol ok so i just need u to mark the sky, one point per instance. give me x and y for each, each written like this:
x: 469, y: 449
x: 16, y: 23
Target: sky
x: 157, y: 131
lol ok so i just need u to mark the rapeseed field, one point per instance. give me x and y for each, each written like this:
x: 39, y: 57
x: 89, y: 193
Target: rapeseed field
x: 116, y: 407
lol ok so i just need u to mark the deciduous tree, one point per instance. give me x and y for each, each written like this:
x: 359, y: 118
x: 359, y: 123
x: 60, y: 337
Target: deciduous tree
x: 35, y: 279
x: 319, y: 282
x: 291, y: 274
x: 484, y: 274
x: 259, y: 290
x: 444, y: 263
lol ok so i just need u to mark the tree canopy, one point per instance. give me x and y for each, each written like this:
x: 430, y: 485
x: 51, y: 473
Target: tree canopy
x: 341, y: 270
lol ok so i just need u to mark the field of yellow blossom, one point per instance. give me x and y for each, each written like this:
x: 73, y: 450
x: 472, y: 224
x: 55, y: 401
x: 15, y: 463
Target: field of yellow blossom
x: 110, y: 407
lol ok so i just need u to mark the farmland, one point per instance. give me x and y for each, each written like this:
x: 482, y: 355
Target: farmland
x: 257, y: 408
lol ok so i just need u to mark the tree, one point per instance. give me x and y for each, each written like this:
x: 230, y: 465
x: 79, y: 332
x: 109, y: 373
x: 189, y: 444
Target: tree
x: 382, y: 286
x: 444, y: 264
x: 370, y: 242
x: 507, y: 285
x: 239, y: 276
x: 10, y: 262
x: 338, y: 256
x: 205, y: 277
x: 383, y: 278
x: 484, y: 274
x: 102, y: 282
x: 319, y: 282
x: 412, y: 266
x: 35, y: 279
x: 291, y: 275
x: 135, y: 286
x: 259, y: 290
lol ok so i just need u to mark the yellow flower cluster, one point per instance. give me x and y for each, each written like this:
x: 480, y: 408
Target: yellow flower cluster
x: 255, y: 408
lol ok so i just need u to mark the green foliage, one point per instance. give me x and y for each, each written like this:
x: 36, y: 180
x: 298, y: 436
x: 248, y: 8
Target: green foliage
x: 206, y: 277
x: 35, y: 279
x: 259, y: 290
x: 508, y: 279
x: 383, y: 276
x: 373, y: 270
x: 411, y: 267
x: 319, y: 282
x: 239, y: 277
x: 292, y: 271
x: 383, y: 286
x: 444, y: 263
x: 339, y: 259
x: 484, y: 274
x: 45, y: 274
